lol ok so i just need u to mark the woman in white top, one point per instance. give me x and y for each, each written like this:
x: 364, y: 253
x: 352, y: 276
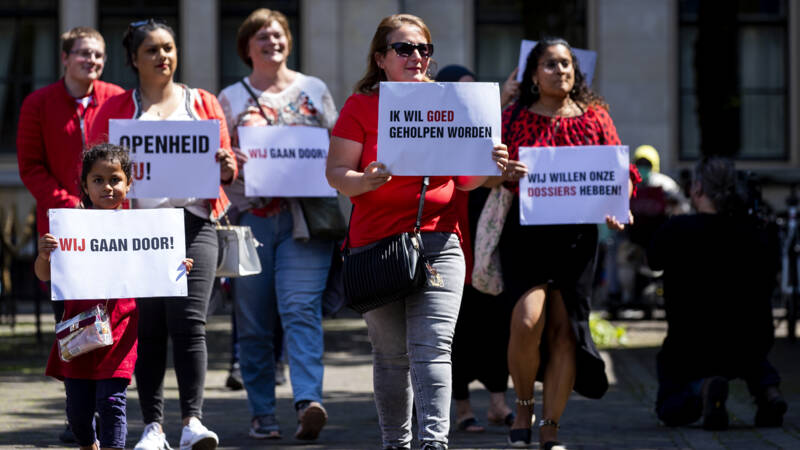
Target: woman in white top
x: 151, y: 52
x: 294, y: 263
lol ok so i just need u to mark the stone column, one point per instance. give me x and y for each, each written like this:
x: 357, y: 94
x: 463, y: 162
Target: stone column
x: 637, y: 71
x: 76, y: 13
x: 199, y: 44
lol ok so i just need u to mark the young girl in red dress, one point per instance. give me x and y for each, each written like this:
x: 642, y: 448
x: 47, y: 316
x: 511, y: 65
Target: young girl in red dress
x: 97, y: 381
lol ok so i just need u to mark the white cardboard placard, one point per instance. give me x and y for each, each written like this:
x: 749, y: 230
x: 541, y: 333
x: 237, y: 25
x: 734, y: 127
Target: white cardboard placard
x: 285, y: 161
x: 107, y: 254
x: 171, y: 158
x: 444, y: 129
x: 570, y: 185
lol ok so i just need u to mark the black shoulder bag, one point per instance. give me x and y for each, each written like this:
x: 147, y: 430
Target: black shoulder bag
x: 385, y: 271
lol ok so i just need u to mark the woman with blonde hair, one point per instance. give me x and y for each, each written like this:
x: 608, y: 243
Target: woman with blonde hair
x: 411, y: 337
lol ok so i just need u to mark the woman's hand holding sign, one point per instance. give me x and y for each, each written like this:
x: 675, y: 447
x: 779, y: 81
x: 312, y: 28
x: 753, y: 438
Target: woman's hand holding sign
x: 227, y: 165
x: 611, y: 221
x: 499, y: 156
x: 375, y: 176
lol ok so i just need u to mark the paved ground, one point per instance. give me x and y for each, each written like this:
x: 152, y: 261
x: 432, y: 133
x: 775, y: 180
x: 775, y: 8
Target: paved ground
x: 31, y: 406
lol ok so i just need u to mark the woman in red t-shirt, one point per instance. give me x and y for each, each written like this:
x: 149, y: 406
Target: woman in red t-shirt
x: 410, y: 338
x: 549, y: 325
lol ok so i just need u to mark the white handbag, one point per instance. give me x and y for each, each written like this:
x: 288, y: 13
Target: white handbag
x: 487, y: 276
x: 238, y: 255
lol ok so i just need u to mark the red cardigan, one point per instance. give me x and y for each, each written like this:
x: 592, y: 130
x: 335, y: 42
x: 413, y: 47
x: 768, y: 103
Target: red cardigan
x: 204, y: 106
x: 50, y: 144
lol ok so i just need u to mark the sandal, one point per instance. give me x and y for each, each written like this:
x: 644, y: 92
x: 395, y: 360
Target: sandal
x: 508, y: 420
x: 519, y: 437
x: 551, y: 445
x: 470, y: 425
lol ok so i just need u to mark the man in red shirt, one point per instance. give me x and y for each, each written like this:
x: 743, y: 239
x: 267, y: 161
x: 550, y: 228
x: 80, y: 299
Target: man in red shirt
x: 52, y: 130
x: 53, y: 123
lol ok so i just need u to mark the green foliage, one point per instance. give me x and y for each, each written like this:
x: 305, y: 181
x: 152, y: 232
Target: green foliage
x: 605, y: 334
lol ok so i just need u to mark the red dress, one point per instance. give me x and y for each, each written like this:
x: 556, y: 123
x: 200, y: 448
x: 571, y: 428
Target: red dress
x: 559, y: 256
x: 115, y: 361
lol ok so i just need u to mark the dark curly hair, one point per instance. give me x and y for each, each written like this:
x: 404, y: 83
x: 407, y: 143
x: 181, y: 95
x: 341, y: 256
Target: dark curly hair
x: 136, y: 34
x: 720, y: 183
x: 580, y: 93
x: 103, y: 152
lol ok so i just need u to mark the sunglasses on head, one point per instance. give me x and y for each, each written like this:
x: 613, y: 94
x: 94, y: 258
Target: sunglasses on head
x: 139, y: 23
x: 406, y: 49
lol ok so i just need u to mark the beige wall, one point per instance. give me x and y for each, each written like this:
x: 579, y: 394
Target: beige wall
x: 637, y: 70
x: 337, y: 34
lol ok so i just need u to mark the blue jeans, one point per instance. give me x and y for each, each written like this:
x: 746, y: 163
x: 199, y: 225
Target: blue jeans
x: 290, y: 285
x: 109, y: 398
x: 411, y: 341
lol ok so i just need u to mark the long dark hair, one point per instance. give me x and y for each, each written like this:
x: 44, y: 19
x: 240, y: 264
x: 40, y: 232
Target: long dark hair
x: 580, y: 93
x: 103, y: 152
x: 719, y: 182
x: 136, y: 34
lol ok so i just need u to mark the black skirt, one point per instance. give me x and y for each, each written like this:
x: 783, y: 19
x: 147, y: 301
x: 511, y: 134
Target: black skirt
x: 562, y: 257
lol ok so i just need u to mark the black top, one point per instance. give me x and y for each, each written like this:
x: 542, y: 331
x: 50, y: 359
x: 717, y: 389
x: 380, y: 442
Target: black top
x: 719, y: 274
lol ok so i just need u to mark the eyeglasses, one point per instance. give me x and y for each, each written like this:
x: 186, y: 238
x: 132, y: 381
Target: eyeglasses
x: 88, y: 54
x: 552, y: 64
x: 406, y: 49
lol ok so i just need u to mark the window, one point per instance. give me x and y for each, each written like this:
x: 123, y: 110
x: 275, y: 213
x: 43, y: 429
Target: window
x: 733, y: 72
x: 29, y: 59
x: 115, y: 15
x: 502, y: 24
x: 232, y: 14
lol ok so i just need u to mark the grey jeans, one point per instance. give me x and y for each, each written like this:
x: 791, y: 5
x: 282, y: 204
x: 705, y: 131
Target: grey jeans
x: 411, y: 341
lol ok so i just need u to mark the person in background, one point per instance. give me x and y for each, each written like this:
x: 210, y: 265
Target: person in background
x: 477, y: 355
x: 718, y: 281
x: 288, y: 291
x: 550, y: 338
x: 658, y: 197
x: 411, y: 338
x: 152, y: 54
x: 51, y: 134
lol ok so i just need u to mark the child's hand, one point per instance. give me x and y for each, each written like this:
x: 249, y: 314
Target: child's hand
x: 47, y: 243
x: 188, y: 263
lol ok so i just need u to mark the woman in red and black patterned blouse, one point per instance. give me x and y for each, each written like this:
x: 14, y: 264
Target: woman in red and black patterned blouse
x: 550, y: 269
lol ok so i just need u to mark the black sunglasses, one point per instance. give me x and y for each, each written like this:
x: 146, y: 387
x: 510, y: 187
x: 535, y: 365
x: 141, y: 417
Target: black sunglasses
x: 406, y: 49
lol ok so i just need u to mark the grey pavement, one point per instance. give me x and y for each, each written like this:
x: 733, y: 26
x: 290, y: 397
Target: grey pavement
x: 31, y: 405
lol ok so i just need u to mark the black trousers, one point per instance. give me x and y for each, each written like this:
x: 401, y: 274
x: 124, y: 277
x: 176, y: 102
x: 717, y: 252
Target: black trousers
x: 680, y: 402
x: 183, y: 319
x: 480, y: 344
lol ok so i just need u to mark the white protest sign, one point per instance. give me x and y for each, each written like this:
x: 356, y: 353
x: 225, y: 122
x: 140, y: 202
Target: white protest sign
x: 587, y: 59
x: 285, y: 161
x: 117, y: 253
x: 438, y: 128
x: 567, y: 185
x: 171, y: 158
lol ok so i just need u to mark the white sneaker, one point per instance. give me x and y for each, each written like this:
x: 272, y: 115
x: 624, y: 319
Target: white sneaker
x: 196, y: 436
x: 153, y: 438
